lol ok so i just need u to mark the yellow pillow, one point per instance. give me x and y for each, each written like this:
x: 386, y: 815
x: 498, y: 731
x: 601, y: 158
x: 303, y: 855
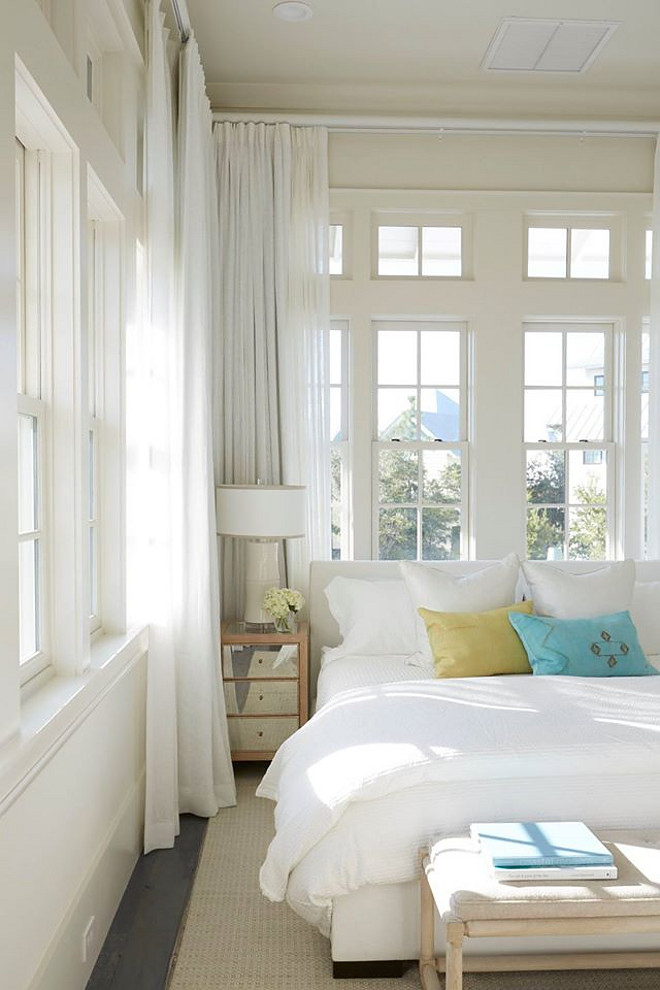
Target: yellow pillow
x: 476, y: 644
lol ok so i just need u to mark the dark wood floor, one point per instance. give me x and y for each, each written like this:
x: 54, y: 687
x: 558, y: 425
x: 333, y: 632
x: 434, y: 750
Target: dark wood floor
x: 136, y: 954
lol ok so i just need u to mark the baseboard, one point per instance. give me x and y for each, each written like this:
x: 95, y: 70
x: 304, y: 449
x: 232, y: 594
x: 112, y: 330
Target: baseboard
x: 98, y: 896
x: 377, y: 969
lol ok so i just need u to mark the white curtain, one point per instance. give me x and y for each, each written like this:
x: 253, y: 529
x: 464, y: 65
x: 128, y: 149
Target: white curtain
x: 173, y: 568
x: 653, y: 542
x: 271, y: 400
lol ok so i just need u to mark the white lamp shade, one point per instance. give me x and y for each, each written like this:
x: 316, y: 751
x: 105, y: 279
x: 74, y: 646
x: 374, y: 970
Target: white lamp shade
x: 261, y: 511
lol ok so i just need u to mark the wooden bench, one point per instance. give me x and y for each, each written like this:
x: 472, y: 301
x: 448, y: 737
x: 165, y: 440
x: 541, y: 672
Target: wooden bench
x: 471, y: 904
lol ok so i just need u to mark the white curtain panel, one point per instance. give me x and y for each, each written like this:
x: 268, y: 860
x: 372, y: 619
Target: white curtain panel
x: 271, y: 357
x: 653, y: 542
x: 206, y: 780
x: 173, y: 567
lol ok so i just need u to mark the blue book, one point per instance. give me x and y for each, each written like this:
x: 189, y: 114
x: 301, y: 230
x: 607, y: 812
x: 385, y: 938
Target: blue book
x: 534, y: 844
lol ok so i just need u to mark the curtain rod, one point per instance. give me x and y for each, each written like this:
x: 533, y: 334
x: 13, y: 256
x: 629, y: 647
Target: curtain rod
x: 182, y: 18
x: 339, y: 123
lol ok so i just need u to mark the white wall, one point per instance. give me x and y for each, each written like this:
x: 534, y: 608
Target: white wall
x: 72, y: 762
x: 486, y: 162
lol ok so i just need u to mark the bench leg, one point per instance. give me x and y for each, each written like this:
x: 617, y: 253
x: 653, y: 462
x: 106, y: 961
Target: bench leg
x: 454, y: 936
x: 427, y: 971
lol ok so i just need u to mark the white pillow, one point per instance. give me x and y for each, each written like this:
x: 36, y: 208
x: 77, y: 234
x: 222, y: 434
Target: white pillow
x: 374, y: 617
x: 565, y: 595
x: 645, y: 612
x: 432, y: 587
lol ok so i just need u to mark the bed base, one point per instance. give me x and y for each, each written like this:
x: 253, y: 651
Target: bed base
x: 373, y: 924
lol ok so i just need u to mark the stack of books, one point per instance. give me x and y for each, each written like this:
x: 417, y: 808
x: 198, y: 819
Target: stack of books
x: 531, y: 851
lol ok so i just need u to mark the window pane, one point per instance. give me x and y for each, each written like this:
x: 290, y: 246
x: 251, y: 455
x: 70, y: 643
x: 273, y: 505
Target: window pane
x: 440, y: 357
x: 93, y: 572
x: 546, y: 483
x: 28, y: 577
x: 91, y: 500
x: 397, y: 414
x: 398, y: 476
x: 649, y: 254
x: 335, y: 355
x: 441, y: 251
x: 585, y: 357
x: 336, y: 266
x: 545, y: 534
x: 335, y: 414
x: 543, y: 415
x: 440, y: 414
x: 335, y: 502
x: 27, y: 473
x: 546, y: 252
x: 441, y: 534
x: 398, y: 251
x: 587, y: 476
x: 397, y: 534
x: 397, y: 357
x: 543, y: 358
x: 646, y: 340
x: 441, y: 476
x: 590, y: 253
x: 587, y: 533
x: 584, y: 415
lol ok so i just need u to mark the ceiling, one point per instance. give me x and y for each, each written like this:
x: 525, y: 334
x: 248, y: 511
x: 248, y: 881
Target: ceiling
x: 420, y: 57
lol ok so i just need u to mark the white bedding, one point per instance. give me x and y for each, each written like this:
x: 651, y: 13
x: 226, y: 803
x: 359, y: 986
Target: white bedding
x: 350, y: 672
x: 381, y: 768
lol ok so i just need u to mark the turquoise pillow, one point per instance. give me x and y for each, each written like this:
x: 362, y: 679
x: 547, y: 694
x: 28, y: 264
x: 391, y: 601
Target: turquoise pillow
x: 603, y: 646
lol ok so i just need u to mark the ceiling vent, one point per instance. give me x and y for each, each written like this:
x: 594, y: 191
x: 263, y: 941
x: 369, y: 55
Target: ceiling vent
x: 524, y: 44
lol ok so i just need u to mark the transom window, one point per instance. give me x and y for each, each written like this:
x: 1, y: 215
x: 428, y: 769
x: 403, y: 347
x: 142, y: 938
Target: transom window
x: 568, y: 252
x: 427, y: 251
x: 567, y: 438
x: 420, y: 454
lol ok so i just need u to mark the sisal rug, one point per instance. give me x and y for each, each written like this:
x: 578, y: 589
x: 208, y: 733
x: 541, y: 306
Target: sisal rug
x: 234, y: 938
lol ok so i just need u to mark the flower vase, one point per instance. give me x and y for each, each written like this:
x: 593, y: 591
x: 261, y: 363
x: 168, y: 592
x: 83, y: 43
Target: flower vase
x: 287, y: 624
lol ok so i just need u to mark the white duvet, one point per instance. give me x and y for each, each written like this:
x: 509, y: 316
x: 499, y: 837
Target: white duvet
x: 379, y: 770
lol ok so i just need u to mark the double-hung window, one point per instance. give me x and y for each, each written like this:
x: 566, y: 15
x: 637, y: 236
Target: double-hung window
x: 420, y: 450
x: 569, y: 450
x: 339, y: 436
x: 31, y: 269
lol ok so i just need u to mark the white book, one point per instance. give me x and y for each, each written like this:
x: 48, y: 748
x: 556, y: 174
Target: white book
x: 526, y: 874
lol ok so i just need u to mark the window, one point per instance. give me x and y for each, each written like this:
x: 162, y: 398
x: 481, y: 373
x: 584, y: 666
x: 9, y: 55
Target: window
x: 420, y: 454
x: 575, y: 252
x: 31, y: 416
x: 338, y: 419
x: 94, y: 391
x: 336, y: 253
x: 648, y: 264
x: 644, y: 398
x: 420, y: 250
x: 567, y: 438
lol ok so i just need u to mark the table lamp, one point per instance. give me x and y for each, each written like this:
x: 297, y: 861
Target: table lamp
x: 263, y: 515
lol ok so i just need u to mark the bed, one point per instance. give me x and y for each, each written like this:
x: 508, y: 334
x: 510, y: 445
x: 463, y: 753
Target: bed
x: 393, y: 757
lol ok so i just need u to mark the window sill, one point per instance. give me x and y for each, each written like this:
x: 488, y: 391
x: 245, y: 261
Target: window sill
x: 52, y: 712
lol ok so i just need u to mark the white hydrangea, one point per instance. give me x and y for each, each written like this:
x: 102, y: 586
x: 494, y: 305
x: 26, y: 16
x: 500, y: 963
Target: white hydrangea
x: 278, y: 602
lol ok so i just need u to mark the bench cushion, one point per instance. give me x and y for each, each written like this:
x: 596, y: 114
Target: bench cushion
x: 463, y: 890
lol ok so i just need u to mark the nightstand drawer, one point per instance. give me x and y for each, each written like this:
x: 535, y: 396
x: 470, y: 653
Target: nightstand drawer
x: 260, y: 734
x: 272, y: 697
x: 264, y: 660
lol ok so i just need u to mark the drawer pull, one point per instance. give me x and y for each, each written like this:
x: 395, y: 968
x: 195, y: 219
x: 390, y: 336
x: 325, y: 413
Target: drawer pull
x: 261, y: 660
x: 261, y: 697
x: 260, y: 733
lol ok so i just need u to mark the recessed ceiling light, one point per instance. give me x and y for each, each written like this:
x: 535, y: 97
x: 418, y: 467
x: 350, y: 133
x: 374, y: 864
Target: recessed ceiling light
x: 293, y: 10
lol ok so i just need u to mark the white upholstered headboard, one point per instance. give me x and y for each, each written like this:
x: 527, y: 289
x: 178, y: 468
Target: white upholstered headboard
x: 324, y: 630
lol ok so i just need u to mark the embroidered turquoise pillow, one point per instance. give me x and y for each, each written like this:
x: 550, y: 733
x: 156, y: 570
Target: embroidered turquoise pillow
x: 603, y: 646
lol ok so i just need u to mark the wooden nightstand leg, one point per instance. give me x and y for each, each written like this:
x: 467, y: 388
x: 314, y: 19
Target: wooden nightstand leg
x: 454, y: 970
x: 427, y: 972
